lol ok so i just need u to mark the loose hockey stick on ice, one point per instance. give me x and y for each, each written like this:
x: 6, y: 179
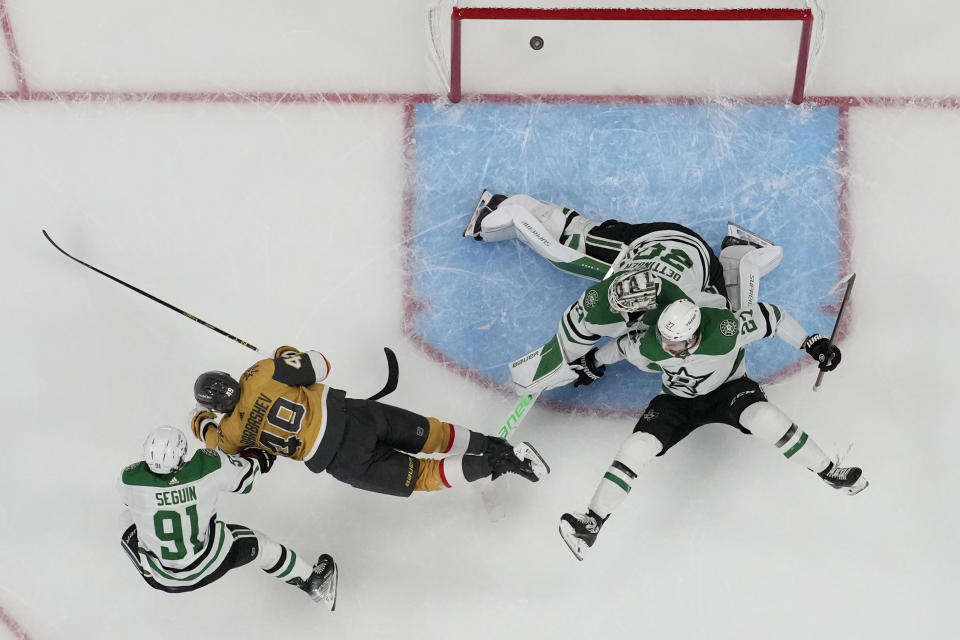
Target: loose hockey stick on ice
x: 836, y: 325
x: 488, y: 491
x: 393, y: 375
x: 152, y: 297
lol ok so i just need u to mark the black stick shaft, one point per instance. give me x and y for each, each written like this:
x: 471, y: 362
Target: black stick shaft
x: 393, y: 375
x: 152, y: 297
x: 836, y: 325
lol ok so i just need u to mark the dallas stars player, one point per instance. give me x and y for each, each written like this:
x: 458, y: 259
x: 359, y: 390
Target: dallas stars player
x: 630, y: 261
x: 281, y: 406
x: 172, y: 533
x: 699, y: 353
x: 576, y: 244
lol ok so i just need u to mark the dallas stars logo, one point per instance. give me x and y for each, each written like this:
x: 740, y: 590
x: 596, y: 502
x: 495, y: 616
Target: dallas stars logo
x: 729, y: 327
x: 683, y: 380
x: 590, y: 299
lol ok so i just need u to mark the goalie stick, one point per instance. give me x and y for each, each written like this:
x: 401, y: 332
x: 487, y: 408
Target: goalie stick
x: 152, y: 297
x: 488, y: 491
x: 836, y: 325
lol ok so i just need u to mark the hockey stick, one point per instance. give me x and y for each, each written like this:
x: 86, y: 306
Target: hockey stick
x: 393, y: 375
x: 152, y: 297
x: 488, y: 491
x: 836, y: 325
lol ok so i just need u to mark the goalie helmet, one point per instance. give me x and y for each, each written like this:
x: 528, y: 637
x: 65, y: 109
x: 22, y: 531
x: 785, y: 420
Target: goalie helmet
x: 634, y: 291
x: 216, y: 391
x: 164, y: 450
x: 679, y: 327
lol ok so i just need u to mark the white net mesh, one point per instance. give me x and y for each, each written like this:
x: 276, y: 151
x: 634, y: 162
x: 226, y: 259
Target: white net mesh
x: 709, y: 58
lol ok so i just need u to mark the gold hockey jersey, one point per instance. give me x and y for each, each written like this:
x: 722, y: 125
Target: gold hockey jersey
x: 284, y: 409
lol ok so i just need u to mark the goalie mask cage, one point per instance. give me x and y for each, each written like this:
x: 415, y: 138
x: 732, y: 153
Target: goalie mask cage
x: 580, y: 17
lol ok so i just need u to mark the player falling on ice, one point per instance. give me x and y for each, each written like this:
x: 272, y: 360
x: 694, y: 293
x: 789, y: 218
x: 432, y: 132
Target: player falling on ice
x: 699, y: 352
x: 172, y: 533
x: 281, y: 406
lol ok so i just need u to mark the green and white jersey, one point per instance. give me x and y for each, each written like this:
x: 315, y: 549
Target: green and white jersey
x: 590, y: 318
x: 679, y: 259
x: 175, y: 514
x: 719, y: 356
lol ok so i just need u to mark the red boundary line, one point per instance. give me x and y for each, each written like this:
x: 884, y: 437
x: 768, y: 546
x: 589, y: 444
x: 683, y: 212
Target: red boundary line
x: 22, y: 89
x: 12, y: 625
x: 279, y: 97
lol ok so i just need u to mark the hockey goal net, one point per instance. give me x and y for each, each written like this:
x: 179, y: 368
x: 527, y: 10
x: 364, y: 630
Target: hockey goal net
x: 703, y: 50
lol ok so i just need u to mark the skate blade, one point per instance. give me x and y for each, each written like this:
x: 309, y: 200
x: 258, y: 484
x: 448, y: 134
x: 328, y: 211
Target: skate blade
x: 573, y: 542
x: 526, y: 451
x: 328, y: 596
x: 856, y: 488
x: 470, y: 231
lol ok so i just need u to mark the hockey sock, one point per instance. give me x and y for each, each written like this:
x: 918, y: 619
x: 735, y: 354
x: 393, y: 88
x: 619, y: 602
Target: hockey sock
x: 635, y: 452
x: 451, y: 471
x: 770, y: 424
x: 443, y: 437
x: 280, y: 561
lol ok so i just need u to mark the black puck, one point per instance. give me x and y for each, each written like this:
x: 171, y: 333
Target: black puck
x: 536, y: 43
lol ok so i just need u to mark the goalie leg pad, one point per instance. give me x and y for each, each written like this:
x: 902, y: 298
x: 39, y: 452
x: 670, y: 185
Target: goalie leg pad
x: 503, y: 222
x: 743, y: 266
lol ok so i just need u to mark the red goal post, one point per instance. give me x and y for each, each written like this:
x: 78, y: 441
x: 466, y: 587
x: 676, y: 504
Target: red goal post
x: 459, y: 14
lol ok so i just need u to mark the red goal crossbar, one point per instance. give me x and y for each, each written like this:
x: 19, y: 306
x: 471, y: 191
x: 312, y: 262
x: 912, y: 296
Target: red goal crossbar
x: 458, y: 15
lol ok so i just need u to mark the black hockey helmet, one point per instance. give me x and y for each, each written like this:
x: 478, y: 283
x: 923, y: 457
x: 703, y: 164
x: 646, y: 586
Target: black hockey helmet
x: 217, y: 391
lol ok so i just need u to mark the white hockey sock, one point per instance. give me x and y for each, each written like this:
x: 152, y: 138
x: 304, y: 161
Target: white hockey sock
x: 770, y: 424
x: 452, y: 472
x: 280, y: 561
x: 635, y: 452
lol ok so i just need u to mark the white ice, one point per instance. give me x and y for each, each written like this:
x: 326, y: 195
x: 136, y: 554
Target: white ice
x: 280, y: 222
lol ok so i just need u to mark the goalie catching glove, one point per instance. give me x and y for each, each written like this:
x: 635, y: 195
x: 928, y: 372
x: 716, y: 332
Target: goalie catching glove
x: 587, y: 369
x: 261, y: 457
x: 823, y: 351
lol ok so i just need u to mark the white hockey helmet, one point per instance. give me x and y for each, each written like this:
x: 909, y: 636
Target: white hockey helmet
x: 634, y: 291
x: 679, y: 327
x: 164, y: 449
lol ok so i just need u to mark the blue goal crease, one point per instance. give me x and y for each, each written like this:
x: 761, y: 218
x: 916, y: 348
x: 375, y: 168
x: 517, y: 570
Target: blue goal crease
x: 773, y: 170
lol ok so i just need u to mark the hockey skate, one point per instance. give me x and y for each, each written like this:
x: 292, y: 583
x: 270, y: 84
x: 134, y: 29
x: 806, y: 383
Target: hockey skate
x: 737, y: 235
x: 322, y: 583
x: 485, y: 206
x: 580, y: 531
x: 850, y: 480
x: 522, y: 460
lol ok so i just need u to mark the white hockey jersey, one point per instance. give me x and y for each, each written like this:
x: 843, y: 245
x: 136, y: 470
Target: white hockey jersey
x: 175, y: 514
x: 719, y: 356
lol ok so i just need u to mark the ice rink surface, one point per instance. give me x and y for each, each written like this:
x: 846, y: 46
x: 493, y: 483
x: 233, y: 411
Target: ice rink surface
x: 272, y: 172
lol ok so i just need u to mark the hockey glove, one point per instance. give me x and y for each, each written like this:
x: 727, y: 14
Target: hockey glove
x: 587, y: 369
x: 204, y: 427
x: 823, y: 351
x: 261, y: 457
